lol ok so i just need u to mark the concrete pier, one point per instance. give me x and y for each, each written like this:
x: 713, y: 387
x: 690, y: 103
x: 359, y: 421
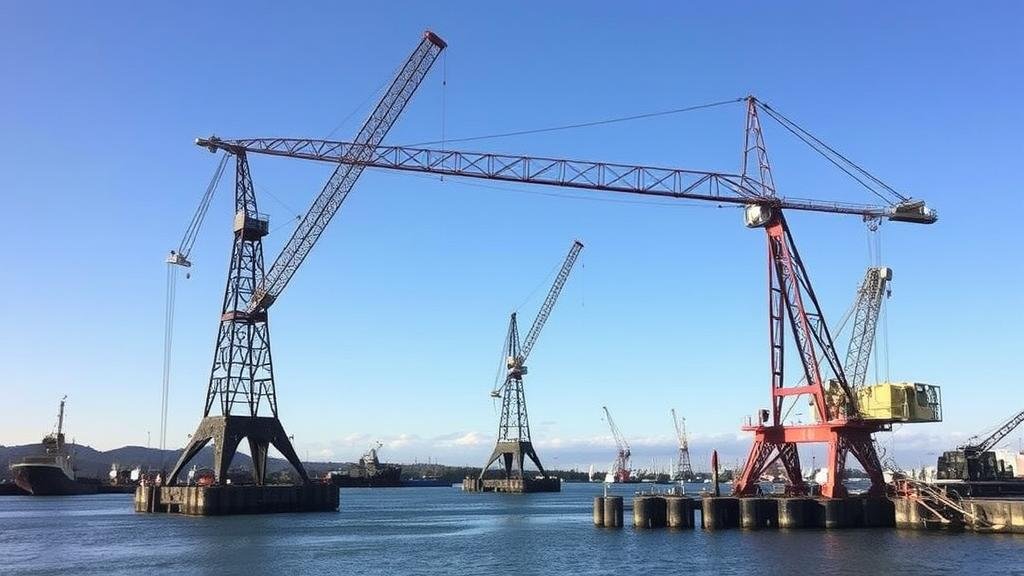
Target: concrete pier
x: 649, y: 512
x: 512, y: 485
x: 996, y: 515
x: 679, y: 512
x: 612, y: 511
x: 756, y: 513
x: 797, y: 513
x: 233, y: 499
x: 598, y: 510
x: 721, y: 512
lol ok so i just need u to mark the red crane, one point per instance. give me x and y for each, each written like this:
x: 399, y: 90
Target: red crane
x: 792, y: 301
x: 620, y: 469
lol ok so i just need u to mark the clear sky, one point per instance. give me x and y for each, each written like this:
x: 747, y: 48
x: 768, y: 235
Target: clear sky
x: 392, y: 328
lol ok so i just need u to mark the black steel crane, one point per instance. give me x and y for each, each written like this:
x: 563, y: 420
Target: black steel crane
x: 975, y: 460
x: 514, y: 443
x: 242, y: 375
x: 620, y: 468
x: 793, y: 305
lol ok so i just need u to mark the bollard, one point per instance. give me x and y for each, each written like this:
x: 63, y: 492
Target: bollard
x: 598, y: 510
x: 678, y: 512
x: 613, y: 511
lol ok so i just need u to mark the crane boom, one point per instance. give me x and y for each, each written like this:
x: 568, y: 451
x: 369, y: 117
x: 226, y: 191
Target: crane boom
x: 620, y: 440
x: 350, y: 167
x: 549, y: 302
x: 602, y: 176
x: 994, y: 438
x: 870, y: 295
x: 680, y: 431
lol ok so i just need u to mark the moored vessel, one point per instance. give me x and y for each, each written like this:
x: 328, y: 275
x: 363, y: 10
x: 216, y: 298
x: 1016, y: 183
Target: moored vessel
x: 53, y: 472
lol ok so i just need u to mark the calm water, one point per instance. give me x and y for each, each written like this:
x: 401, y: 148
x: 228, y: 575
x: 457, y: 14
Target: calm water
x: 441, y: 531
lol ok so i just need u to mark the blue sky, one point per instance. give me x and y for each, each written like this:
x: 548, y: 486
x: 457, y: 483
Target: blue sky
x: 392, y: 328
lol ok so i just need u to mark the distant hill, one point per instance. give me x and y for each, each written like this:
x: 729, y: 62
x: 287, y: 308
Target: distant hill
x: 93, y: 463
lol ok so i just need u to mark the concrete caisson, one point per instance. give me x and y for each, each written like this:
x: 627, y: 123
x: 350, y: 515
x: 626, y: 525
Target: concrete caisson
x: 613, y: 512
x: 718, y: 513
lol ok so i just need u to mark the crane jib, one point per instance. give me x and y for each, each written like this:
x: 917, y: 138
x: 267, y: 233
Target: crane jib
x: 674, y: 183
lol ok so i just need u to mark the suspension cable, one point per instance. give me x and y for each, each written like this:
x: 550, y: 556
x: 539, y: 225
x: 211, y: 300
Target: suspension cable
x: 831, y: 154
x: 581, y: 124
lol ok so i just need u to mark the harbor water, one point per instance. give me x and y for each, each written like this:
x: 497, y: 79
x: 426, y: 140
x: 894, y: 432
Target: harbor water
x: 441, y: 531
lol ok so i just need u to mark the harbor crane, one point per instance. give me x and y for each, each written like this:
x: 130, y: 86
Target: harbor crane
x: 792, y: 301
x: 872, y: 293
x: 242, y: 375
x: 620, y: 469
x: 684, y: 471
x: 514, y: 444
x: 974, y: 460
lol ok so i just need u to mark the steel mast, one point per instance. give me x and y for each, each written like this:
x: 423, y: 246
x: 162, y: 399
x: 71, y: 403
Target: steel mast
x: 242, y: 376
x: 514, y: 443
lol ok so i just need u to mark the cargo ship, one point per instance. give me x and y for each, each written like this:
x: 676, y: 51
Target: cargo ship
x: 368, y: 473
x: 52, y: 473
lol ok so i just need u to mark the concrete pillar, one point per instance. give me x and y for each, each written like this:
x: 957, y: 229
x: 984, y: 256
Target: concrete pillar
x: 833, y: 512
x: 678, y: 512
x: 720, y: 513
x: 598, y: 510
x: 649, y: 512
x: 879, y: 513
x: 796, y: 512
x: 613, y: 512
x: 758, y: 513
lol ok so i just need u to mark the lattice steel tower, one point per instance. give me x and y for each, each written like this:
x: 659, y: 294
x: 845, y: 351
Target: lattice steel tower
x: 514, y: 443
x: 241, y: 388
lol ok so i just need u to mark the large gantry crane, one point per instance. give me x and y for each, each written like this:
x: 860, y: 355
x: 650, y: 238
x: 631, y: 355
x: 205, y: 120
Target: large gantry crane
x: 620, y: 471
x: 683, y: 471
x: 792, y: 300
x: 242, y: 377
x: 514, y: 443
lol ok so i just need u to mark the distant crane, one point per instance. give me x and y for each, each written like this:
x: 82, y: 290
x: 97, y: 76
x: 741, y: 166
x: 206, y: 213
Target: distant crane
x: 620, y: 469
x: 683, y: 471
x: 514, y: 443
x: 975, y: 460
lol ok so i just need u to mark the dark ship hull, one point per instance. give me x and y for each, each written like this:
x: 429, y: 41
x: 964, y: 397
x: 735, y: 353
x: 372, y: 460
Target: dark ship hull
x: 43, y: 480
x: 386, y: 477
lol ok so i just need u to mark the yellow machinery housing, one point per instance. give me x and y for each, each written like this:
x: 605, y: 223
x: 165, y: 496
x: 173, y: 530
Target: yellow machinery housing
x: 900, y: 402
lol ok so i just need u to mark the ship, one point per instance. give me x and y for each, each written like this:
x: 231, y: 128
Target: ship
x: 52, y: 473
x: 368, y: 473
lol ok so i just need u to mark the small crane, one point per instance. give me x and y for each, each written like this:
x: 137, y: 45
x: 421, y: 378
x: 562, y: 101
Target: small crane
x: 620, y: 469
x: 684, y: 471
x: 514, y: 441
x: 974, y: 460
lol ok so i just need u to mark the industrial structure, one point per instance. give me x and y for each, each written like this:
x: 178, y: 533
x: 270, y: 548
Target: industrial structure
x: 514, y: 444
x: 975, y: 461
x: 620, y: 471
x: 683, y: 471
x: 242, y: 389
x: 792, y: 300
